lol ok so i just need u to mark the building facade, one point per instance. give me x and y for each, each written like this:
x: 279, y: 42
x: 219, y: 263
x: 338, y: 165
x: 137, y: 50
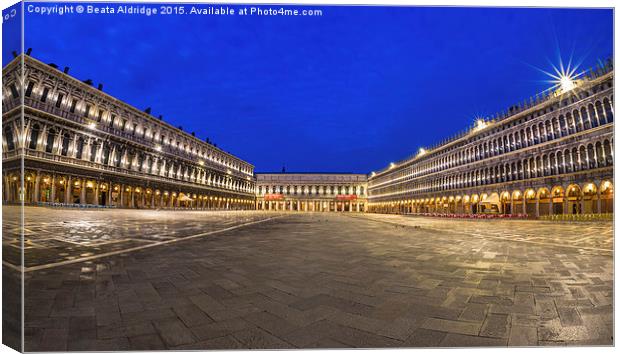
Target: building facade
x: 318, y: 192
x: 80, y: 145
x: 553, y: 155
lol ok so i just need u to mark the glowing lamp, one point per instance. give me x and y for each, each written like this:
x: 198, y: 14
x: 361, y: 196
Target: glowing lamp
x: 566, y: 83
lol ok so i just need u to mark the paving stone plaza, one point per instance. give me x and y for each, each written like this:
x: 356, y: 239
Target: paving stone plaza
x: 135, y: 279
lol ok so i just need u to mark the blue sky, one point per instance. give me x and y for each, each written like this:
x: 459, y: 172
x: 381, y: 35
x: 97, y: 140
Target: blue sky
x: 349, y: 91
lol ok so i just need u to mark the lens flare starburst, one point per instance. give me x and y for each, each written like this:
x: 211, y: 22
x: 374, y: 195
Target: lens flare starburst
x: 563, y: 78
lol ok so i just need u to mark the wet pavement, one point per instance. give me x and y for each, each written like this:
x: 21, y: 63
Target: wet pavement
x: 59, y: 236
x: 327, y: 281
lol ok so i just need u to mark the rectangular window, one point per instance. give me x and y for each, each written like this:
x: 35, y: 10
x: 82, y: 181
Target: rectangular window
x: 123, y: 124
x: 87, y: 111
x: 112, y: 118
x: 73, y: 105
x: 135, y: 127
x: 14, y: 91
x: 29, y: 89
x: 59, y: 100
x: 100, y: 115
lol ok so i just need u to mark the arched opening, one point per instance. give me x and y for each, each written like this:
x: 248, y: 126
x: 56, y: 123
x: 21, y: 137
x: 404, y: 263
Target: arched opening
x: 103, y: 195
x: 517, y: 202
x: 573, y: 196
x: 607, y: 197
x: 474, y: 203
x: 29, y: 187
x: 589, y: 201
x: 90, y: 193
x: 60, y: 191
x: 76, y: 192
x: 530, y: 202
x: 506, y: 207
x: 45, y: 189
x: 544, y: 198
x: 490, y: 204
x: 557, y: 195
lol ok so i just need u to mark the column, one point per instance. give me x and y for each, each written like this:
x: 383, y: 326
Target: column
x: 551, y: 205
x: 122, y: 195
x: 537, y: 207
x: 37, y: 180
x: 109, y: 189
x: 565, y: 203
x: 82, y: 191
x: 598, y: 200
x: 68, y: 187
x: 96, y: 201
x: 53, y: 193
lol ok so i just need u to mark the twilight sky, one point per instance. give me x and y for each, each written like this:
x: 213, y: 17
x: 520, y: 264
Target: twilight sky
x: 348, y: 91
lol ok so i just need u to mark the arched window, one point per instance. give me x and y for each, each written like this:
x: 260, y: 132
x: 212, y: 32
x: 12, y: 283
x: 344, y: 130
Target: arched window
x: 79, y: 148
x: 106, y: 154
x: 608, y: 111
x: 119, y: 157
x: 593, y: 117
x: 10, y: 142
x: 51, y: 136
x: 93, y: 152
x: 34, y: 137
x: 65, y: 144
x: 608, y: 153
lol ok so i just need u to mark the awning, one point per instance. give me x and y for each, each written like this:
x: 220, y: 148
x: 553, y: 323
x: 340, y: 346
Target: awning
x: 491, y: 199
x: 185, y: 198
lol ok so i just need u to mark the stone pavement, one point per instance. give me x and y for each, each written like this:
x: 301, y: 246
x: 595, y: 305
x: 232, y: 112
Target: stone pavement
x: 329, y: 281
x: 68, y: 235
x: 594, y: 236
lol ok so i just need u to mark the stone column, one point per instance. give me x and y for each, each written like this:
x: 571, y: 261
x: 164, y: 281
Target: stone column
x: 82, y: 191
x: 110, y: 193
x: 537, y: 207
x: 68, y: 187
x: 598, y: 200
x: 122, y: 198
x: 551, y: 205
x: 96, y: 201
x: 37, y: 181
x: 565, y: 204
x: 53, y: 192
